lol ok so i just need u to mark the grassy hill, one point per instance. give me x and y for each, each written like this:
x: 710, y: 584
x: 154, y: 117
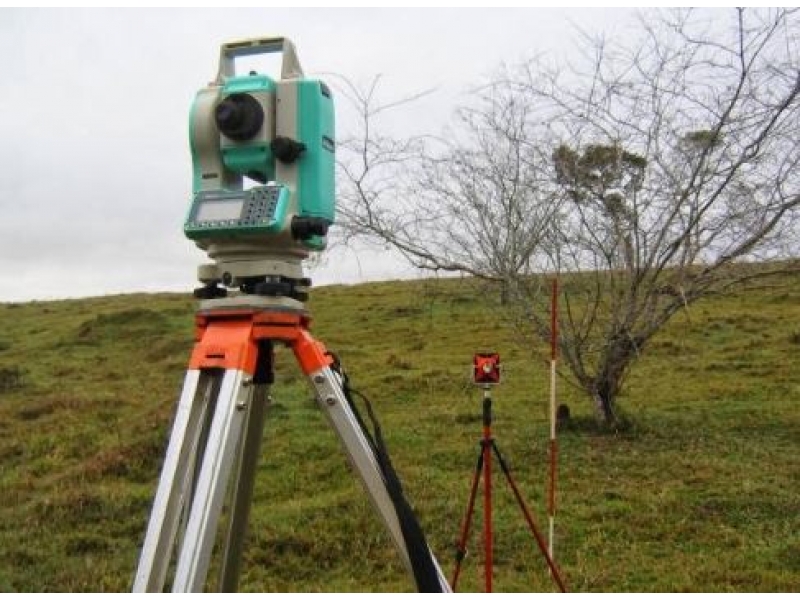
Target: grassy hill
x: 700, y: 495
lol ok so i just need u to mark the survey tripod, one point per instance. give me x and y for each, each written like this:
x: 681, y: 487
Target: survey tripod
x: 216, y: 436
x: 263, y: 199
x: 483, y: 468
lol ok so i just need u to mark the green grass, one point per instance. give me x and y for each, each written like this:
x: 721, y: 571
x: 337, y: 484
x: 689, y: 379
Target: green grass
x: 699, y: 494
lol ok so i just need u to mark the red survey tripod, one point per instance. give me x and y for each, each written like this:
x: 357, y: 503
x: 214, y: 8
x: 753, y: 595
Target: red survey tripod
x: 484, y: 466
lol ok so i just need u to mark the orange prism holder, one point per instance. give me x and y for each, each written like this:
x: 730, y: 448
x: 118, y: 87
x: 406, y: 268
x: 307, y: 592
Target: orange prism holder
x: 486, y: 369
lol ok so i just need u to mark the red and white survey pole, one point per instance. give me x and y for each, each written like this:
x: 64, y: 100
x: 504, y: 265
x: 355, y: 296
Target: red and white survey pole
x: 551, y: 495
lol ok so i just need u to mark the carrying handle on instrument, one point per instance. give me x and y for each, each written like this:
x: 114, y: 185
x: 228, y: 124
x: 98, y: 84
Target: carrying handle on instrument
x: 290, y: 65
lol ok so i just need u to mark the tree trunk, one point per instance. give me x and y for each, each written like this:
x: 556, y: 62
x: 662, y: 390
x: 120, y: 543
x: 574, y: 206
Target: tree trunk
x: 604, y: 406
x: 505, y: 293
x: 606, y: 385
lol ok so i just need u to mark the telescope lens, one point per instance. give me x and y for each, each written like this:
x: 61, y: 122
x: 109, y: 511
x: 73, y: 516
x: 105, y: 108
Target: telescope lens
x: 239, y: 116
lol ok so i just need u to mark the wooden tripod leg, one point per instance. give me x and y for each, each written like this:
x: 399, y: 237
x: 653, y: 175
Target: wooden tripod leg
x: 540, y: 541
x: 461, y: 550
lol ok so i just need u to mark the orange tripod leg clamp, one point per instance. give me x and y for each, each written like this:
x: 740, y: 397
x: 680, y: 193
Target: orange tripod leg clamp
x: 310, y: 353
x: 225, y: 344
x: 229, y: 341
x: 292, y: 329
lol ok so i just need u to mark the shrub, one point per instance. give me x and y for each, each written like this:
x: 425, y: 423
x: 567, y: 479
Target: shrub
x: 10, y: 378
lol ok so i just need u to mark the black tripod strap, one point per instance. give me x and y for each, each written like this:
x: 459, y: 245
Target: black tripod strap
x: 426, y: 574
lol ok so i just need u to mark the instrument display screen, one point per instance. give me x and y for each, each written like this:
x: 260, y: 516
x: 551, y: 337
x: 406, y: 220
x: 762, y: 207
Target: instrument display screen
x: 219, y: 210
x: 224, y: 213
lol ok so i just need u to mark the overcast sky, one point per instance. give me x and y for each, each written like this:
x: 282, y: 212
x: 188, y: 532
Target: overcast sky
x: 95, y: 172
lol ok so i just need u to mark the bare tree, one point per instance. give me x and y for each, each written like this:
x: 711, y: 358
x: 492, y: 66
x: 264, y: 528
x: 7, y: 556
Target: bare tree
x: 656, y: 171
x: 466, y: 202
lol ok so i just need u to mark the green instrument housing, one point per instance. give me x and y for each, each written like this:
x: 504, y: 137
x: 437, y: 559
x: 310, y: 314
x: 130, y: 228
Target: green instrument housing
x: 297, y: 109
x: 253, y: 159
x: 316, y: 169
x: 274, y: 133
